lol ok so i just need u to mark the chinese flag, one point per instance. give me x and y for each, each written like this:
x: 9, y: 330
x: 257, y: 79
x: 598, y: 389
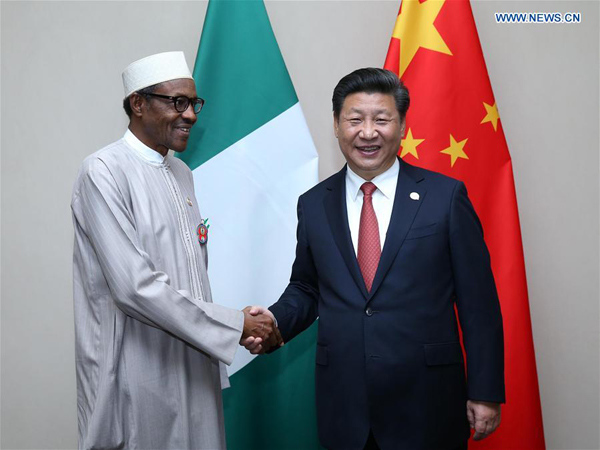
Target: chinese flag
x: 453, y: 127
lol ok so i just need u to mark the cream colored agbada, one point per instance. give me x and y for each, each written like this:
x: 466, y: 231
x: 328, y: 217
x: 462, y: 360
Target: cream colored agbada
x: 149, y: 341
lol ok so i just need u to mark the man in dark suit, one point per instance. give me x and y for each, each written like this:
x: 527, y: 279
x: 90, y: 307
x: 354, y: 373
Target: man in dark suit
x: 385, y: 253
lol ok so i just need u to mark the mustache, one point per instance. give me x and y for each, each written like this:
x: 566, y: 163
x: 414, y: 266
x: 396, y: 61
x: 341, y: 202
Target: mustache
x: 186, y: 123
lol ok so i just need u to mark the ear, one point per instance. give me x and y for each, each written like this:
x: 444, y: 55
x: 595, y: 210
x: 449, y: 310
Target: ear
x: 336, y: 123
x: 402, y: 127
x: 136, y: 101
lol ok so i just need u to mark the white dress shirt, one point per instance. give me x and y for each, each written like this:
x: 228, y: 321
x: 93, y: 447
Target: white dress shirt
x: 383, y: 200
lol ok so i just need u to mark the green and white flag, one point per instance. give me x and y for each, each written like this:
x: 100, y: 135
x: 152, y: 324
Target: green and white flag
x: 252, y: 156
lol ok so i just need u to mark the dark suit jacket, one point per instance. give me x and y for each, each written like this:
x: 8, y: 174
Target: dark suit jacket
x: 390, y: 359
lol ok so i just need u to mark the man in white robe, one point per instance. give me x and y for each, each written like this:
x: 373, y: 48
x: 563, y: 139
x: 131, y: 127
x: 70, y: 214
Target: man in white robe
x: 150, y: 344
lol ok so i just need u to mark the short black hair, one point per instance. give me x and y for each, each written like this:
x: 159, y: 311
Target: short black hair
x: 371, y: 80
x: 146, y: 90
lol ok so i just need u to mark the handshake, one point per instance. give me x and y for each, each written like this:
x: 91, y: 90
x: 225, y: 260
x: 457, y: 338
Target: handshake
x: 260, y: 333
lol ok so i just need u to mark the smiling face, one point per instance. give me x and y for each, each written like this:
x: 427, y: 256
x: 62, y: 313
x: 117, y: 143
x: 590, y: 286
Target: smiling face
x: 369, y: 131
x: 156, y: 122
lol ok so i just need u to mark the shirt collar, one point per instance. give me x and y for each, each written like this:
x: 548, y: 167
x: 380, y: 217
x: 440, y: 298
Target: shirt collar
x: 142, y: 149
x: 385, y: 182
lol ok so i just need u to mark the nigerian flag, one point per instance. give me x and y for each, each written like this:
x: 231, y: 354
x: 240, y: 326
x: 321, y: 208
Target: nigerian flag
x: 252, y: 156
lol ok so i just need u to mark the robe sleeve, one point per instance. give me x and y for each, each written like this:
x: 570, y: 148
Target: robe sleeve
x: 137, y: 288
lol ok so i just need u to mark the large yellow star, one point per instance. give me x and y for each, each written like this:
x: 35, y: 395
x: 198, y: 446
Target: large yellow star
x: 414, y: 27
x: 455, y: 150
x: 492, y: 115
x: 409, y: 145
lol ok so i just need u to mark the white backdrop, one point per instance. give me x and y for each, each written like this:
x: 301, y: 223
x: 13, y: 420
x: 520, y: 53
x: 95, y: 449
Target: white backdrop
x: 61, y: 98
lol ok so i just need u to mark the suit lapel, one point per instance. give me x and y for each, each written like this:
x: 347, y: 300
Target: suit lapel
x: 403, y: 214
x: 337, y: 215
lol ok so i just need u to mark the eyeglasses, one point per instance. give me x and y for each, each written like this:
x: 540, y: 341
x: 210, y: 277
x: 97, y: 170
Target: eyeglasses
x: 181, y: 102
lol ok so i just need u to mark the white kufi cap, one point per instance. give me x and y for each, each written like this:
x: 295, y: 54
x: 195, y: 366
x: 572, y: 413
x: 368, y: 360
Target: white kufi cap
x: 155, y: 69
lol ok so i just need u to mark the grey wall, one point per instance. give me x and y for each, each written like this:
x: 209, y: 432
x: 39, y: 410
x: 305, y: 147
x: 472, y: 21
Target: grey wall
x: 60, y: 101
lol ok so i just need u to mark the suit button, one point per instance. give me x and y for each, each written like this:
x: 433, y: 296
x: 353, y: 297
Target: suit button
x: 369, y: 312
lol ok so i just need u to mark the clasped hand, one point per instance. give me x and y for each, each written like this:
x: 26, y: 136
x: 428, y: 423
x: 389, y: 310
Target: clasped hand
x: 260, y: 333
x: 484, y: 418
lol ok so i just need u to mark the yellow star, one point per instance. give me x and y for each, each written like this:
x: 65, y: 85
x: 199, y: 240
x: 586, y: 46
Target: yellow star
x: 409, y: 145
x: 455, y: 150
x: 492, y: 115
x: 414, y: 27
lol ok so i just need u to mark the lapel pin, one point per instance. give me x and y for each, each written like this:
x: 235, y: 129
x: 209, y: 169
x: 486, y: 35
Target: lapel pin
x: 189, y: 202
x: 203, y: 231
x: 414, y: 195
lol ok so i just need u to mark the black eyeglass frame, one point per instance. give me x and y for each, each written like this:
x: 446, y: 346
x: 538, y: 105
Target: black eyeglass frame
x: 190, y: 101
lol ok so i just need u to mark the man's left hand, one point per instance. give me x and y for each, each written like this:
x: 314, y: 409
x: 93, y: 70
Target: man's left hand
x: 484, y: 418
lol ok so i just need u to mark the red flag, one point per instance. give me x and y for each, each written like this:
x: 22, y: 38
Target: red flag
x: 453, y: 127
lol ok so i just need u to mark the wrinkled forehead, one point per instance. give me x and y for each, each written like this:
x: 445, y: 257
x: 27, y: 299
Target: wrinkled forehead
x: 369, y: 101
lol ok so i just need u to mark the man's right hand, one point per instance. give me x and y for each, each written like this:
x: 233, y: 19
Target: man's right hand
x: 260, y: 333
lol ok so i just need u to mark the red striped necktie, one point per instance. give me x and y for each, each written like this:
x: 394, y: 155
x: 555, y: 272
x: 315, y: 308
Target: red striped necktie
x: 369, y: 245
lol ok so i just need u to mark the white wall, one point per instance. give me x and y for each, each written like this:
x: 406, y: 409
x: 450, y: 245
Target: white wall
x: 60, y: 101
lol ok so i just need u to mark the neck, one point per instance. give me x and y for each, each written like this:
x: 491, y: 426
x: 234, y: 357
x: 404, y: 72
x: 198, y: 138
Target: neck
x: 367, y: 175
x: 138, y: 131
